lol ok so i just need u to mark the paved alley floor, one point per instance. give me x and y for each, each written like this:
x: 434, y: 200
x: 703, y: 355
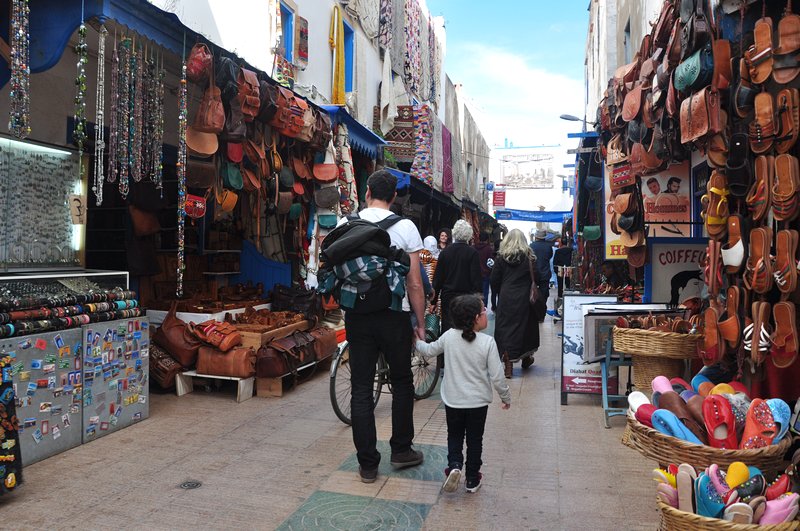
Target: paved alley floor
x: 289, y: 463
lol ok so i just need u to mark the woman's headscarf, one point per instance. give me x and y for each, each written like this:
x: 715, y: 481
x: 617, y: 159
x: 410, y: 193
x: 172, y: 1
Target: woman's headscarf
x: 429, y: 243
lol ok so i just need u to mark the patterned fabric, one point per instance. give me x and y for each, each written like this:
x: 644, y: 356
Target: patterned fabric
x: 401, y: 137
x: 436, y: 66
x: 425, y: 61
x: 368, y: 12
x: 336, y: 44
x: 422, y: 168
x: 345, y: 279
x: 413, y: 62
x: 346, y: 176
x: 438, y: 157
x: 398, y: 36
x: 385, y: 31
x: 447, y: 161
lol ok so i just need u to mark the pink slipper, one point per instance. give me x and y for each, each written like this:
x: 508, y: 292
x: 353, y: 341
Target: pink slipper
x: 779, y: 510
x: 661, y: 385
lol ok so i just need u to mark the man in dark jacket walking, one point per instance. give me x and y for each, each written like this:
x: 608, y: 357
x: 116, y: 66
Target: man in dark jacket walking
x: 543, y: 250
x: 485, y: 253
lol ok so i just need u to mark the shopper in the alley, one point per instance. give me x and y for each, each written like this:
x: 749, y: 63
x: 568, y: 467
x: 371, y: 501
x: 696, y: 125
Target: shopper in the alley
x: 472, y: 367
x: 458, y: 270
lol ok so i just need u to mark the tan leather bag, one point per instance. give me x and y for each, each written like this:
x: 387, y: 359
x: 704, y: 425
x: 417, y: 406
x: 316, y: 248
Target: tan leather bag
x: 239, y: 362
x: 700, y: 115
x: 248, y: 94
x: 173, y: 336
x: 324, y: 342
x: 289, y: 118
x: 210, y: 117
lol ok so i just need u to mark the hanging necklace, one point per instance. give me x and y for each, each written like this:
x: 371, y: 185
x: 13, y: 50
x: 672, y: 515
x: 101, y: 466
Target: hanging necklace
x: 136, y: 130
x: 99, y: 138
x: 79, y: 131
x: 124, y: 116
x: 19, y: 122
x: 158, y: 124
x: 113, y: 146
x: 181, y: 181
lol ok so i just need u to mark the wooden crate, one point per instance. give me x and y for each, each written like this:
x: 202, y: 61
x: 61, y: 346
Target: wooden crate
x: 275, y: 387
x: 252, y: 335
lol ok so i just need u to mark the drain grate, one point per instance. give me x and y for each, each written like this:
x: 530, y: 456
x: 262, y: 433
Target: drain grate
x: 191, y: 484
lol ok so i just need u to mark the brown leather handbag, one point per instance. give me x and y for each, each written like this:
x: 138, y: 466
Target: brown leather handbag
x: 199, y: 63
x: 322, y: 132
x: 210, y: 117
x: 200, y: 173
x: 324, y: 342
x: 173, y: 336
x: 237, y: 363
x: 700, y: 115
x: 279, y: 358
x: 163, y: 367
x: 248, y: 94
x: 288, y: 119
x: 223, y: 335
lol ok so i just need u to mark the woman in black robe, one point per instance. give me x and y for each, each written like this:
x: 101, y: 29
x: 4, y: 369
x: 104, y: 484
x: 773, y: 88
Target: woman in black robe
x: 516, y: 328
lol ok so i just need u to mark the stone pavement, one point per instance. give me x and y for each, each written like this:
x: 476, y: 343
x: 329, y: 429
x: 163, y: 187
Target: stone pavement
x: 288, y: 463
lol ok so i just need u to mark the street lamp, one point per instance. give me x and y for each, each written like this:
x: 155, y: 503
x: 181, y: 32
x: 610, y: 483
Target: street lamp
x: 570, y: 118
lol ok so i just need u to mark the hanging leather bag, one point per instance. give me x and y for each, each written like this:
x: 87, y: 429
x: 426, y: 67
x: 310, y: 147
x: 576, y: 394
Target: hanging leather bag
x: 196, y: 205
x: 696, y: 71
x: 288, y: 119
x: 248, y: 94
x: 173, y: 336
x: 328, y: 171
x: 700, y: 115
x: 210, y: 117
x: 268, y: 106
x: 322, y: 132
x: 200, y: 173
x: 199, y: 63
x: 696, y: 30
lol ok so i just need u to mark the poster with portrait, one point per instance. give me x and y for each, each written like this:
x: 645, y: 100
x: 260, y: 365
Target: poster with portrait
x: 667, y: 198
x: 674, y: 274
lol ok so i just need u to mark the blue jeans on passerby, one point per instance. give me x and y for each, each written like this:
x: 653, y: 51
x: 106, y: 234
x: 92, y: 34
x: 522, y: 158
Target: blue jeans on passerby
x: 486, y: 291
x: 389, y: 332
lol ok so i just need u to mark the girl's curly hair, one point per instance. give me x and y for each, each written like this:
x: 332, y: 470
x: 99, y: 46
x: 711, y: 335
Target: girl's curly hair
x: 464, y: 310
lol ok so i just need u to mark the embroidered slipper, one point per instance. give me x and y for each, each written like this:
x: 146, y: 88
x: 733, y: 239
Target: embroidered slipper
x: 780, y: 510
x: 721, y: 389
x: 717, y: 477
x: 685, y: 484
x: 782, y: 415
x: 744, y: 93
x: 758, y: 198
x: 738, y: 513
x: 730, y: 328
x: 737, y: 165
x: 759, y: 55
x: 644, y: 414
x: 763, y: 128
x: 740, y: 405
x: 713, y: 345
x: 758, y: 270
x: 759, y: 429
x: 707, y: 500
x: 788, y: 118
x: 785, y: 66
x: 720, y: 422
x: 779, y: 487
x: 785, y: 272
x: 716, y: 199
x: 785, y: 186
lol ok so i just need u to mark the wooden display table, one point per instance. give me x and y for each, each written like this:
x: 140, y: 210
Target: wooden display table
x: 184, y: 383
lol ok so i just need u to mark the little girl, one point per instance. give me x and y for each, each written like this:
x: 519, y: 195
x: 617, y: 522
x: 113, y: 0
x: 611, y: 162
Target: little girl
x: 472, y: 366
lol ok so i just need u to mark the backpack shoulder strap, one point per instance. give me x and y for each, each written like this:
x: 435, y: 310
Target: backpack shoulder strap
x: 388, y: 221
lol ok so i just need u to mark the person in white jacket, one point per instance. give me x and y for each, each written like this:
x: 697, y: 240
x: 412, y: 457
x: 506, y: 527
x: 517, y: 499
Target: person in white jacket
x: 472, y: 367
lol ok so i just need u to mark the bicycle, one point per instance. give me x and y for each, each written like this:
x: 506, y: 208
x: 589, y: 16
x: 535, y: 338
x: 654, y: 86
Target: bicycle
x: 425, y: 372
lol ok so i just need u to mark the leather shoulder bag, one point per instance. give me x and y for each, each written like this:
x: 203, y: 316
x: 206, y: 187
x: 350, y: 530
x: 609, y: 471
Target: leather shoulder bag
x: 210, y: 117
x: 248, y: 94
x: 173, y: 336
x: 239, y: 362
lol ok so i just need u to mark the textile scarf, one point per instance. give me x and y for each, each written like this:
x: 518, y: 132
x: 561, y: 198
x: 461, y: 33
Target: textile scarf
x: 336, y: 43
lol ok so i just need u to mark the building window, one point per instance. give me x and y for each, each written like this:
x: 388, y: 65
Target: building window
x: 287, y: 28
x: 349, y: 44
x: 627, y: 42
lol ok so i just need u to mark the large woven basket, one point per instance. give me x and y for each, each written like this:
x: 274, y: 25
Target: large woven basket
x: 666, y: 450
x: 655, y: 353
x: 674, y: 520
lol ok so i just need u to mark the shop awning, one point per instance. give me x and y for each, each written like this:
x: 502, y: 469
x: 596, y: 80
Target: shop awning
x: 362, y: 139
x: 405, y: 180
x: 528, y: 215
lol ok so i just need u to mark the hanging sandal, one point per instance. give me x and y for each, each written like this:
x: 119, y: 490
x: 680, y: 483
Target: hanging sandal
x: 785, y: 271
x: 712, y: 268
x: 758, y: 199
x: 713, y: 345
x: 784, y: 339
x: 758, y: 272
x: 763, y: 128
x: 716, y: 201
x: 737, y: 166
x: 788, y: 119
x: 785, y: 187
x: 759, y: 55
x: 762, y: 331
x: 744, y: 94
x: 730, y: 326
x: 733, y: 251
x: 785, y: 66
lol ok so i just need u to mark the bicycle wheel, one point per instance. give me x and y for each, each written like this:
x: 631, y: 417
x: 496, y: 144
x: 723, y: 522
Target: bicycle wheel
x: 341, y: 388
x: 425, y: 371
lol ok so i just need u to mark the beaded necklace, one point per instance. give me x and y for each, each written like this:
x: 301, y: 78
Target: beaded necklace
x: 123, y: 140
x: 79, y: 131
x: 113, y: 146
x: 99, y: 137
x: 181, y: 181
x: 158, y: 121
x: 19, y: 122
x: 136, y: 119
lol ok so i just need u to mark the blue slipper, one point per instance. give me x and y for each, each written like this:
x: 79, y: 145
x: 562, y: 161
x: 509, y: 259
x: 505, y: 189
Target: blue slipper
x: 667, y: 423
x: 781, y: 414
x: 707, y: 500
x: 697, y: 380
x: 686, y: 395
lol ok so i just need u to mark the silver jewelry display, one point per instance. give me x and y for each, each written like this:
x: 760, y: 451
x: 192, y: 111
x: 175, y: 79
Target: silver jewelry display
x: 99, y: 135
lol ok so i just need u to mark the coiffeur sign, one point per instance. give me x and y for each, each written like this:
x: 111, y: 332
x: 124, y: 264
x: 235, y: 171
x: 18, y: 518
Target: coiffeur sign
x: 675, y: 272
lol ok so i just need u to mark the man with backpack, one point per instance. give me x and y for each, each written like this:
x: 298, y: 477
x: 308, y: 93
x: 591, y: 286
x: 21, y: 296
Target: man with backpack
x: 368, y: 272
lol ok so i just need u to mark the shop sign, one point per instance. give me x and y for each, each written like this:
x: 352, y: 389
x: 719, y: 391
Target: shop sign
x: 499, y: 198
x: 577, y: 376
x: 77, y: 209
x: 675, y: 272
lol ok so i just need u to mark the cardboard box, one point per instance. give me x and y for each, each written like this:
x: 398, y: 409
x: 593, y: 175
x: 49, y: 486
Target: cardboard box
x: 253, y: 337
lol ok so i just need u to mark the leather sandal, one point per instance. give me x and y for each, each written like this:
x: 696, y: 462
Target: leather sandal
x: 760, y: 332
x: 713, y: 345
x: 759, y: 55
x: 758, y: 272
x: 717, y: 151
x: 737, y: 165
x: 758, y: 199
x: 712, y: 268
x: 785, y: 187
x: 763, y: 128
x: 730, y: 326
x: 785, y: 271
x: 784, y: 339
x: 716, y: 201
x: 785, y: 66
x: 744, y: 94
x: 788, y: 118
x: 733, y: 252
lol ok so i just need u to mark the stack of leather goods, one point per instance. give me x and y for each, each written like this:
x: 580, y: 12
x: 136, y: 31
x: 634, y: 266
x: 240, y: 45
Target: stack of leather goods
x: 220, y: 353
x: 284, y: 356
x: 265, y: 319
x: 727, y: 88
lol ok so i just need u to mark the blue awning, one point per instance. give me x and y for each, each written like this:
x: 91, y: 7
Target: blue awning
x: 361, y: 139
x: 527, y: 215
x: 403, y: 178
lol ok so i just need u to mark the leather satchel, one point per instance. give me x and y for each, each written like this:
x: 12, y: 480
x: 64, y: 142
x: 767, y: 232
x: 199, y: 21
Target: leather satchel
x: 632, y: 104
x: 296, y: 299
x: 163, y: 368
x: 248, y: 94
x: 199, y: 63
x: 700, y: 115
x: 324, y: 342
x: 210, y: 117
x: 200, y: 173
x: 288, y: 119
x: 268, y: 106
x: 696, y: 30
x: 309, y: 121
x: 173, y: 336
x: 274, y: 361
x: 322, y: 132
x: 622, y: 176
x: 696, y: 71
x: 237, y: 363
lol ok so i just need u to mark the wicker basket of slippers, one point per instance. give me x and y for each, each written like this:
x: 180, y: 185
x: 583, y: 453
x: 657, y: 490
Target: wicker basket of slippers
x: 674, y: 520
x: 665, y: 449
x: 655, y: 353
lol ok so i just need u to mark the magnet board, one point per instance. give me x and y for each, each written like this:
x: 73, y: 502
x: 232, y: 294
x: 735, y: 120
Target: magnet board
x: 115, y: 375
x: 47, y: 377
